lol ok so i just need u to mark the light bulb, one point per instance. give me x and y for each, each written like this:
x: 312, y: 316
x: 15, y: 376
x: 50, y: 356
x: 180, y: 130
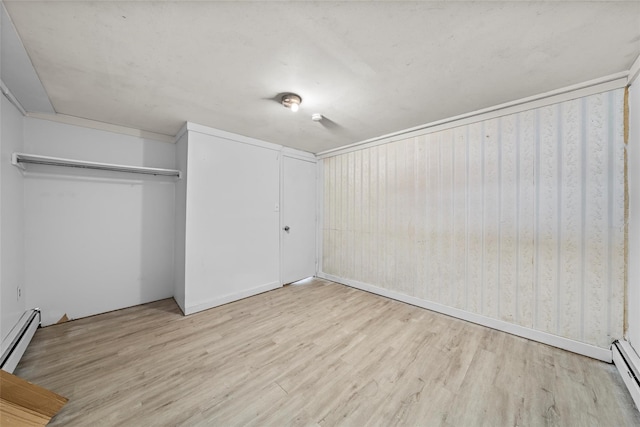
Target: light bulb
x: 291, y: 101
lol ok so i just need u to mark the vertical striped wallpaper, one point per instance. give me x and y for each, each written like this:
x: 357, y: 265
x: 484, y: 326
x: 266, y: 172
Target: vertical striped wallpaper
x: 518, y: 218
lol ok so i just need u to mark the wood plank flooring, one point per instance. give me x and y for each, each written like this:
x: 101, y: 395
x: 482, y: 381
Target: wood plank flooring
x: 314, y: 354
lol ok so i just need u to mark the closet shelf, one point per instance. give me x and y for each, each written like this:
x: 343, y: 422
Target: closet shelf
x: 20, y: 159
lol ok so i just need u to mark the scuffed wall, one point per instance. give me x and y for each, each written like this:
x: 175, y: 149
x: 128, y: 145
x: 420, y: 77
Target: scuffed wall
x: 518, y: 218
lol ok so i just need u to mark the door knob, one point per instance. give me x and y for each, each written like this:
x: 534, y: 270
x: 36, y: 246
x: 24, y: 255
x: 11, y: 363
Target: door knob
x: 286, y: 228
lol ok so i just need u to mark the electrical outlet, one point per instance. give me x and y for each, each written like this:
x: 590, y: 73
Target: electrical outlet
x: 19, y: 292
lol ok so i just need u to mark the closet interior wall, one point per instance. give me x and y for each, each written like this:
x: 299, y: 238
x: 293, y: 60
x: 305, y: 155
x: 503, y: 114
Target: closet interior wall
x: 96, y: 241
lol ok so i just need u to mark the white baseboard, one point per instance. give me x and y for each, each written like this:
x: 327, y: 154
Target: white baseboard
x: 231, y: 298
x: 628, y: 364
x: 18, y: 339
x: 589, y: 350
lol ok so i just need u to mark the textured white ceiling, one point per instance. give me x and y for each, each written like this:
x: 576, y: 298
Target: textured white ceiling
x: 370, y: 68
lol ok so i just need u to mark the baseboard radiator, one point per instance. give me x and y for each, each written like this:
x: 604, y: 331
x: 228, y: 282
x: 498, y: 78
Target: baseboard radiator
x: 628, y: 364
x: 18, y: 339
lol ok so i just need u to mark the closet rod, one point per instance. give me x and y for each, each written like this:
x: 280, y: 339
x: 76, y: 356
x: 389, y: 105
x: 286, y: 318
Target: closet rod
x: 19, y: 159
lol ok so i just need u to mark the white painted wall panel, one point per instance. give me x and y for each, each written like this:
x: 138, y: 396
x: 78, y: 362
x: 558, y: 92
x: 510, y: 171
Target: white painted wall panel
x: 518, y: 218
x: 11, y: 221
x: 491, y: 218
x: 475, y: 241
x: 508, y: 213
x: 180, y: 221
x: 459, y: 217
x: 526, y: 273
x: 617, y: 255
x: 421, y: 256
x: 549, y: 193
x: 633, y: 302
x: 232, y: 221
x: 570, y: 217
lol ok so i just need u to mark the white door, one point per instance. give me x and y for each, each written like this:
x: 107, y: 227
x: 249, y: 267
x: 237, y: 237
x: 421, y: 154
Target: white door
x: 298, y: 226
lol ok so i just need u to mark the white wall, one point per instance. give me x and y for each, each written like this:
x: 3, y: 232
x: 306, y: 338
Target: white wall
x: 633, y: 295
x: 518, y: 219
x: 96, y: 241
x: 181, y: 221
x: 11, y: 221
x: 232, y: 220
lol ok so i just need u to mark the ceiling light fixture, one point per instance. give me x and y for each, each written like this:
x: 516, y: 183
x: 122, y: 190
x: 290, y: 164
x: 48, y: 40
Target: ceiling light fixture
x: 292, y: 101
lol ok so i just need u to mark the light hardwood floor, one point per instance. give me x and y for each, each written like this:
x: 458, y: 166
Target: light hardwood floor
x: 314, y: 354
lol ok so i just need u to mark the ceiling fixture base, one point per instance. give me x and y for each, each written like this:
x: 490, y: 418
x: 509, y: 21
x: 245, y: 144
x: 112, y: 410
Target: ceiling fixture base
x: 292, y: 101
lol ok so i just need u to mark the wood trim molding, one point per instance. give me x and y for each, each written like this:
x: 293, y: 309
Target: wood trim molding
x: 298, y: 154
x: 634, y: 71
x: 194, y: 127
x: 603, y: 84
x: 107, y: 127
